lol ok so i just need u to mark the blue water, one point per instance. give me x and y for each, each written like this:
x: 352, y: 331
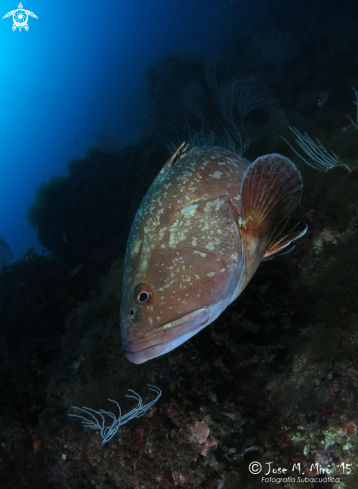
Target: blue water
x: 81, y: 66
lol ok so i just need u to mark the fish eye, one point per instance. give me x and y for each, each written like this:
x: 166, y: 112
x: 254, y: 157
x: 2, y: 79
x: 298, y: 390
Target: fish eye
x: 143, y: 294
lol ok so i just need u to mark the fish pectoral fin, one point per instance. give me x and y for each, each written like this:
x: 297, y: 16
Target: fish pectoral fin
x: 270, y: 191
x: 281, y: 237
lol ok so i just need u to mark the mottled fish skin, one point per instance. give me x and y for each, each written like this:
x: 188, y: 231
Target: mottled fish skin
x: 190, y: 252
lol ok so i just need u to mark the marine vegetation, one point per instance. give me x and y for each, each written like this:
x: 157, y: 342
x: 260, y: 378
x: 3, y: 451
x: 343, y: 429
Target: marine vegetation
x: 355, y: 123
x: 320, y: 158
x: 95, y: 420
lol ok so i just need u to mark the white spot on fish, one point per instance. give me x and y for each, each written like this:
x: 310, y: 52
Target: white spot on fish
x: 135, y: 247
x: 211, y: 274
x: 143, y: 264
x: 190, y: 210
x: 161, y: 232
x: 213, y: 204
x: 200, y: 253
x: 210, y: 246
x: 216, y: 174
x: 205, y: 227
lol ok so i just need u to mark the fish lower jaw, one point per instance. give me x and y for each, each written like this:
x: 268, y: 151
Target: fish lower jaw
x: 160, y: 349
x: 167, y: 337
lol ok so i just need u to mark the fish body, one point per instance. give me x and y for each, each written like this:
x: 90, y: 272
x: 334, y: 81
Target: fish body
x: 200, y: 233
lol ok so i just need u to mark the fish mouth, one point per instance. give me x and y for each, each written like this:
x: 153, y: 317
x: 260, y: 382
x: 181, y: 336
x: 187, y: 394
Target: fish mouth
x: 166, y: 337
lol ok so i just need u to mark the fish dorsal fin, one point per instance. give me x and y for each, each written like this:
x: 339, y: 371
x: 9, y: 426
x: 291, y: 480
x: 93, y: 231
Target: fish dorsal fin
x: 270, y: 191
x: 281, y: 237
x: 180, y: 152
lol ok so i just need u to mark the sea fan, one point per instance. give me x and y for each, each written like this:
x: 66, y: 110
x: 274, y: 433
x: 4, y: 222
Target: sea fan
x: 96, y: 421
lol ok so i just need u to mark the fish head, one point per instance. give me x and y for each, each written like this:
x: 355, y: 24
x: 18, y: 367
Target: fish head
x: 161, y: 311
x: 173, y: 288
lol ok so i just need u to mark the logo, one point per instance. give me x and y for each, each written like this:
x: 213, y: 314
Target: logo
x: 255, y: 467
x: 20, y: 17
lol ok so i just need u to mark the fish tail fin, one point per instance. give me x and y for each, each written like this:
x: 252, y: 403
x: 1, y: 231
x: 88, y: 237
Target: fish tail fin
x: 270, y: 191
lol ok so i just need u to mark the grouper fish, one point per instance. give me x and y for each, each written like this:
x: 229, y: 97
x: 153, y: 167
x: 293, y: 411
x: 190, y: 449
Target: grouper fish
x: 204, y: 226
